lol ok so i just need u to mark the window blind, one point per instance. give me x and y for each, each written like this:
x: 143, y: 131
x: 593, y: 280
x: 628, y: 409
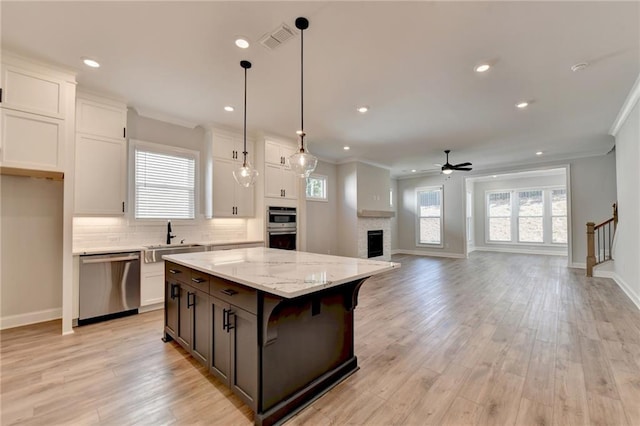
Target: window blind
x: 164, y: 185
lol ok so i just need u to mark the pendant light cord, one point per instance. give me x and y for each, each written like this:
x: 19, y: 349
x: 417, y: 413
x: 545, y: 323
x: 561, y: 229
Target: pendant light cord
x: 244, y: 152
x: 302, y: 90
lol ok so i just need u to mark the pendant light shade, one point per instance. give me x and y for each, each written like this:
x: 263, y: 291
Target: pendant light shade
x: 302, y: 163
x: 245, y: 175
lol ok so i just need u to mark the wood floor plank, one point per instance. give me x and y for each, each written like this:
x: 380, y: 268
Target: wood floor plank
x: 491, y: 327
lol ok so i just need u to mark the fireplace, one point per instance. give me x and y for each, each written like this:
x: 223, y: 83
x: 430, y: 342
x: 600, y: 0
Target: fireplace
x: 374, y: 243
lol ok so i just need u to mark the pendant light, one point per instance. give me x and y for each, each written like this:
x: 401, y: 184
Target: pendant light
x: 302, y: 163
x: 245, y: 175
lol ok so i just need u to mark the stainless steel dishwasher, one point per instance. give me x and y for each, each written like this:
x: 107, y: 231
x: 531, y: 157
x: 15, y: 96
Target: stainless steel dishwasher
x: 109, y: 286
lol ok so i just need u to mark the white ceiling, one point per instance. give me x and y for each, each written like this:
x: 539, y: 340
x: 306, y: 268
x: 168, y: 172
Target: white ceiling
x: 411, y: 62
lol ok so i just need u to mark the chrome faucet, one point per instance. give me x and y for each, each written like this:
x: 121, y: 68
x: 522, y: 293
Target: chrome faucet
x: 169, y: 236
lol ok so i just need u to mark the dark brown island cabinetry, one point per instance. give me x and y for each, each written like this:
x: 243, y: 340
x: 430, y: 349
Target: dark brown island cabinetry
x: 277, y: 354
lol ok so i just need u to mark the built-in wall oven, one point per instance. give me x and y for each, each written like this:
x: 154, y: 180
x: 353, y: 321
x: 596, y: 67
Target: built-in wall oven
x: 282, y: 228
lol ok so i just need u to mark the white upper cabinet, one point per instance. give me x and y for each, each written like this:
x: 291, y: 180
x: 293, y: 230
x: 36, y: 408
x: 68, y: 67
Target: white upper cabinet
x: 101, y: 119
x: 224, y: 197
x: 279, y: 181
x: 37, y: 102
x: 101, y: 156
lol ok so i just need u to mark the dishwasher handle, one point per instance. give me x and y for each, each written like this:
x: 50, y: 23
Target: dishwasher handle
x: 111, y: 259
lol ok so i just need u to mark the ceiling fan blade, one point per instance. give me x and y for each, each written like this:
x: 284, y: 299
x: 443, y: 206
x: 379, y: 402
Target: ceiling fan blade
x: 437, y: 165
x: 463, y: 164
x: 466, y: 169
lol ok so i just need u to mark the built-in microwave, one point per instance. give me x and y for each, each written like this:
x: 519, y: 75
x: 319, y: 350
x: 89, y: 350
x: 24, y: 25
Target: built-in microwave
x: 281, y: 217
x: 282, y: 227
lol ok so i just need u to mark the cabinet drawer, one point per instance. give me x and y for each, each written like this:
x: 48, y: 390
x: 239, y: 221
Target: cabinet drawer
x: 178, y: 272
x: 200, y: 281
x: 235, y: 294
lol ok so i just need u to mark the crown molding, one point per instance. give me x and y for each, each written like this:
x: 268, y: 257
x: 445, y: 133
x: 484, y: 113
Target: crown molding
x: 166, y: 118
x: 627, y: 106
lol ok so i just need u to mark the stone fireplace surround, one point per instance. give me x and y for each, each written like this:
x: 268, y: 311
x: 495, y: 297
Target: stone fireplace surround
x: 366, y: 224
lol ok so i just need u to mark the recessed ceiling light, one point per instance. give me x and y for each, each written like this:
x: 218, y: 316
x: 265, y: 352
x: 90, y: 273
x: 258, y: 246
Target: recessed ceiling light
x: 494, y: 176
x: 413, y: 170
x: 363, y: 109
x: 91, y: 63
x: 539, y: 153
x: 482, y: 67
x: 229, y: 108
x: 242, y: 43
x: 298, y: 132
x: 579, y: 66
x: 347, y: 148
x: 522, y: 105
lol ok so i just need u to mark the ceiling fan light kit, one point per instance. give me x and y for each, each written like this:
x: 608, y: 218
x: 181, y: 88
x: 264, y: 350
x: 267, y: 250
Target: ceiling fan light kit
x: 448, y: 168
x: 245, y: 175
x: 302, y: 163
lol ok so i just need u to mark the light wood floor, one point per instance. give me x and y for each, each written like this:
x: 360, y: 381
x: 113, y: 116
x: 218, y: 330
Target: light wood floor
x: 493, y: 339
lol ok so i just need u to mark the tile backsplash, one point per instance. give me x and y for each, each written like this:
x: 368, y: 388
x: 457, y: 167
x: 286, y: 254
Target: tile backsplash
x: 96, y: 232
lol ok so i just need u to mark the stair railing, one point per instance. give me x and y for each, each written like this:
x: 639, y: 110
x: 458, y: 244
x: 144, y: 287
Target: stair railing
x: 600, y: 241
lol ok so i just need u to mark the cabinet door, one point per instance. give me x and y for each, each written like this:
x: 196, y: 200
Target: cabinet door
x: 287, y: 151
x: 152, y: 285
x: 244, y: 200
x: 201, y: 326
x: 272, y: 153
x: 272, y: 181
x: 33, y: 92
x: 184, y: 318
x: 171, y: 311
x: 220, y: 346
x: 101, y: 173
x: 226, y: 147
x: 244, y: 355
x: 32, y: 141
x: 289, y: 184
x: 99, y: 119
x: 223, y: 188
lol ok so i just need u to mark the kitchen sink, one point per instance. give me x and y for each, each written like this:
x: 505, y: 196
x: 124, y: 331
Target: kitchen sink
x: 154, y: 253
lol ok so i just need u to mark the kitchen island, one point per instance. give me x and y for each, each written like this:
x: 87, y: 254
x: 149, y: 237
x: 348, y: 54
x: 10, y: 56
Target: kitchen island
x: 276, y: 326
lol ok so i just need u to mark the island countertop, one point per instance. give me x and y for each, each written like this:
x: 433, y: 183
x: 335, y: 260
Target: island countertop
x: 284, y: 273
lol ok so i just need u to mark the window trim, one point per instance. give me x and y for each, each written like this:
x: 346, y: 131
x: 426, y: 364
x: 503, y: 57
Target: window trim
x: 546, y: 197
x: 326, y: 188
x: 417, y: 214
x: 167, y: 150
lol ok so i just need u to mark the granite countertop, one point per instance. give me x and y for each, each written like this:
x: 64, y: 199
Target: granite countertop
x: 282, y: 272
x: 141, y: 247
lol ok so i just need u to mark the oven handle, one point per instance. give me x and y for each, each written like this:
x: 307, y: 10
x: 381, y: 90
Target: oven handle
x: 277, y: 213
x: 282, y: 233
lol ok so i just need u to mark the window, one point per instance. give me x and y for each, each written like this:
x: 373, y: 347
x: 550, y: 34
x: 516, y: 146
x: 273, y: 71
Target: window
x: 559, y: 216
x: 531, y: 216
x: 429, y: 206
x: 164, y: 181
x: 499, y: 214
x: 317, y: 188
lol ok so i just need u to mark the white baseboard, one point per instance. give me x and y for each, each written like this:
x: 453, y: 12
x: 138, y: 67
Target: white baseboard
x: 19, y: 320
x: 151, y: 307
x: 431, y: 253
x: 520, y: 251
x: 578, y: 265
x: 621, y: 283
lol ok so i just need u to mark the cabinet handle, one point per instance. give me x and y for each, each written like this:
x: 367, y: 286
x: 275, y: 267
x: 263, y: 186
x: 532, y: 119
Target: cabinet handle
x: 172, y: 292
x: 123, y: 207
x: 284, y: 192
x: 189, y: 302
x: 229, y: 326
x: 124, y: 132
x: 228, y: 292
x: 174, y: 271
x: 225, y: 319
x: 198, y: 280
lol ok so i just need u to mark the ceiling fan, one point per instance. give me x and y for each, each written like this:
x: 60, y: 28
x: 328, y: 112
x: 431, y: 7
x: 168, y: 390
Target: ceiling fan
x: 448, y: 168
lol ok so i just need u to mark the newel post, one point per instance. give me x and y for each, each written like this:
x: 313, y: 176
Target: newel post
x: 591, y: 249
x: 615, y: 216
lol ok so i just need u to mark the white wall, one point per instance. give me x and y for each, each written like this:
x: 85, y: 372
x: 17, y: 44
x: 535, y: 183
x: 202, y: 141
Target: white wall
x: 31, y: 240
x: 347, y: 210
x: 627, y: 249
x: 394, y: 220
x: 480, y: 211
x: 373, y: 187
x: 322, y: 216
x: 453, y: 209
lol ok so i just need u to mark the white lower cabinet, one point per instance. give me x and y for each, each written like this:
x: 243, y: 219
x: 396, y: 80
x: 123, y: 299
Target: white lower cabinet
x: 151, y: 283
x: 32, y: 141
x: 101, y: 171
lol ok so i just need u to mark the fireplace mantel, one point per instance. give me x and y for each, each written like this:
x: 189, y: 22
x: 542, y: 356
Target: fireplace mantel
x: 376, y: 213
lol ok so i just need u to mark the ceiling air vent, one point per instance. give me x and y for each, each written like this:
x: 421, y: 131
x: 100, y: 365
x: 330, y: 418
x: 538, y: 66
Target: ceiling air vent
x: 278, y: 36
